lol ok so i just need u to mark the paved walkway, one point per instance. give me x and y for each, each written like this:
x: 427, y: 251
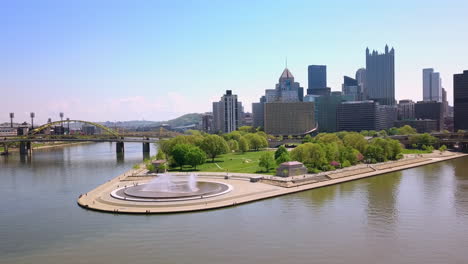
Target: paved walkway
x: 244, y: 191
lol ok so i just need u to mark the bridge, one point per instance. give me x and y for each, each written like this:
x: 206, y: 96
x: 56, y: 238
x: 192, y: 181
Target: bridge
x: 38, y: 135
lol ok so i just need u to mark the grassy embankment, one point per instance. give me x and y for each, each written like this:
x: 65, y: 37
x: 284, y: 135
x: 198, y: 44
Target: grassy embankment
x: 416, y: 151
x: 232, y: 162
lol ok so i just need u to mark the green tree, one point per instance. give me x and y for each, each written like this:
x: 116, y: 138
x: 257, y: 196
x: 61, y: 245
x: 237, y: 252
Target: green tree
x: 233, y: 145
x: 423, y: 140
x: 247, y: 129
x: 443, y: 148
x: 195, y: 156
x: 267, y: 161
x: 356, y: 141
x: 243, y: 144
x: 307, y: 138
x: 179, y: 154
x: 406, y: 130
x: 214, y: 145
x: 256, y: 141
x: 284, y: 157
x: 374, y: 153
x: 281, y: 149
x: 328, y: 138
x: 160, y: 155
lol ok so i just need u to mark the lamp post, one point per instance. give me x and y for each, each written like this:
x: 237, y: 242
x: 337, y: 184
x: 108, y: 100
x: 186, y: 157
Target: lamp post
x: 68, y: 123
x: 32, y: 120
x: 12, y: 115
x: 61, y: 118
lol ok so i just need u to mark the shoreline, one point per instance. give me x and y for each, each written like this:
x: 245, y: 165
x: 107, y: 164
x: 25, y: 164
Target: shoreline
x: 244, y: 191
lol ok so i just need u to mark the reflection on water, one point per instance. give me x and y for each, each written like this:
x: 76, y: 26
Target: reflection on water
x: 414, y: 216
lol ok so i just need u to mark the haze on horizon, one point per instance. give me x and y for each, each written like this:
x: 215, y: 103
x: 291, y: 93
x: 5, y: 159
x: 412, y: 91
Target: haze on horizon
x: 114, y: 60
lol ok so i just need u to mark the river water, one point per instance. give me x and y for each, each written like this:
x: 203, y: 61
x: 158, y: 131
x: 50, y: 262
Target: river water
x: 418, y: 215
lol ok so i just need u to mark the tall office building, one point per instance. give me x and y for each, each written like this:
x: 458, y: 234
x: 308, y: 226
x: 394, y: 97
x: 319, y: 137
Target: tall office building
x: 380, y: 76
x: 364, y: 115
x: 283, y: 109
x: 286, y: 89
x: 351, y: 88
x: 325, y: 110
x: 432, y: 86
x: 406, y: 109
x: 226, y: 113
x: 258, y: 112
x: 361, y: 80
x: 460, y: 101
x: 431, y: 110
x: 317, y: 80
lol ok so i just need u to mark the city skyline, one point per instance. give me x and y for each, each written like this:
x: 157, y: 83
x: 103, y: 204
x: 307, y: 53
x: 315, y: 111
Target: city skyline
x: 158, y: 60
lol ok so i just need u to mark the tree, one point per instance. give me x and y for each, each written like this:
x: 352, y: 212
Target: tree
x: 406, y: 130
x: 233, y: 145
x: 443, y: 148
x: 282, y: 149
x: 256, y: 141
x: 356, y: 141
x: 284, y: 157
x: 247, y: 129
x: 328, y: 138
x: 195, y: 156
x: 374, y: 153
x: 243, y: 145
x: 267, y: 161
x: 214, y: 145
x: 307, y: 138
x: 179, y: 154
x: 423, y: 140
x: 160, y: 155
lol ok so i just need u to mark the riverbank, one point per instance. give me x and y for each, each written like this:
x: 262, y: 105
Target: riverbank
x: 246, y: 187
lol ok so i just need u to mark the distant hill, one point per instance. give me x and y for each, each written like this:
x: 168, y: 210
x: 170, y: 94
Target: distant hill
x: 185, y: 120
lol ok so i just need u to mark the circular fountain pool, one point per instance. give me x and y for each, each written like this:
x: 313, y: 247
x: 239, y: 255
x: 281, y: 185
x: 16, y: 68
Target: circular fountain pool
x: 165, y: 188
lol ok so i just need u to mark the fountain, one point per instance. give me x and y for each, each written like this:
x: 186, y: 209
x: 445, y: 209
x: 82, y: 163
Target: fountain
x: 168, y: 187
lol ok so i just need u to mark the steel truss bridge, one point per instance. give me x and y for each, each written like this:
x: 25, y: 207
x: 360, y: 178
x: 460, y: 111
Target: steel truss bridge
x: 110, y: 135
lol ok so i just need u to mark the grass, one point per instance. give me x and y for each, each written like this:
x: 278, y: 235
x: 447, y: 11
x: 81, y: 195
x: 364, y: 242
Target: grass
x: 415, y: 151
x: 232, y: 162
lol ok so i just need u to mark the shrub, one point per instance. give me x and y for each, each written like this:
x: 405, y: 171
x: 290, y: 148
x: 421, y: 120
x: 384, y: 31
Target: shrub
x: 267, y: 161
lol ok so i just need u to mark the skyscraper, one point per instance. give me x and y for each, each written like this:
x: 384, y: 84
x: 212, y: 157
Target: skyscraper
x: 380, y: 76
x: 432, y: 86
x: 361, y: 79
x: 351, y: 88
x: 460, y: 101
x: 286, y: 90
x: 317, y: 80
x: 226, y: 113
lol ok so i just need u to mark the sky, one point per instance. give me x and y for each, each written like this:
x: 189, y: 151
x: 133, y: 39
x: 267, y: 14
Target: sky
x: 156, y: 60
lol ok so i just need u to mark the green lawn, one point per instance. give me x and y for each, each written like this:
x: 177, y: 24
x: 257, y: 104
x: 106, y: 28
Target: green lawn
x: 232, y: 162
x: 415, y: 151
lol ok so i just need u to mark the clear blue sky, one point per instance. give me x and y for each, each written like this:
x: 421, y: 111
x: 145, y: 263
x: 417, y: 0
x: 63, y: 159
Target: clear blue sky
x: 155, y: 60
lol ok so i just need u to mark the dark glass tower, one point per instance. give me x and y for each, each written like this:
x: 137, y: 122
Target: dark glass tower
x: 460, y: 101
x: 380, y: 76
x: 317, y: 75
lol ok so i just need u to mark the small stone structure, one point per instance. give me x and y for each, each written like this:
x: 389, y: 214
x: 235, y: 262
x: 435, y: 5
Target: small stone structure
x: 291, y: 168
x: 159, y: 166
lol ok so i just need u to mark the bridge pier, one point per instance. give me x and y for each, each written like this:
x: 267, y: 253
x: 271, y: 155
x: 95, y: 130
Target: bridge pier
x: 23, y: 148
x: 5, y: 149
x: 146, y: 147
x: 119, y: 147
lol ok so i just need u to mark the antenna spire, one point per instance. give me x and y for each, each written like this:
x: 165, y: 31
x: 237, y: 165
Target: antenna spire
x: 286, y: 62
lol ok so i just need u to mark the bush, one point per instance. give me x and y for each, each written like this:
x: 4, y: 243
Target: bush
x: 282, y: 149
x: 150, y: 167
x: 267, y: 161
x: 443, y: 148
x: 346, y: 163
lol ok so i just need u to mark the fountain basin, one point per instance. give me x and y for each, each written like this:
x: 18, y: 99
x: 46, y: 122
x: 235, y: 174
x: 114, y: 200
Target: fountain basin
x: 204, y: 189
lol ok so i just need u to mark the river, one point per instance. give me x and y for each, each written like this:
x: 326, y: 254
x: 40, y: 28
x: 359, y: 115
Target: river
x: 418, y: 215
